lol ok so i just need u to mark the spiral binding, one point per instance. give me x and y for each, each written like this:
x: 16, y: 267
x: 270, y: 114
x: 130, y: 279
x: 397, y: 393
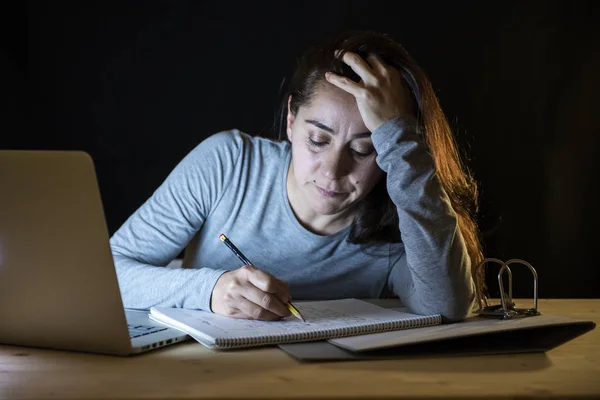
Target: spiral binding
x: 320, y: 334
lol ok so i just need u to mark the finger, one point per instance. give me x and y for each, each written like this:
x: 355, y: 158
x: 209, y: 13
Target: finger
x: 359, y: 65
x: 386, y: 71
x: 266, y: 301
x: 286, y: 290
x: 251, y: 310
x: 234, y: 312
x: 270, y: 295
x: 268, y: 283
x: 377, y: 65
x: 344, y: 83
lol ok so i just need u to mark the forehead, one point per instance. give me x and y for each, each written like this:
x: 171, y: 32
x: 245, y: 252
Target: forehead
x: 333, y: 107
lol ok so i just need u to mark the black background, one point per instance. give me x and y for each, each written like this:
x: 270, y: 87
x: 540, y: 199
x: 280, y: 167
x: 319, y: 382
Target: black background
x: 139, y: 84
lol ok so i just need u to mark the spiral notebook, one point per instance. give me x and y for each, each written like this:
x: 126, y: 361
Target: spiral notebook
x: 324, y: 320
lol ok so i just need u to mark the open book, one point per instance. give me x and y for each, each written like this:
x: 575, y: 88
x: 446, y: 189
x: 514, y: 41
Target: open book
x: 324, y: 320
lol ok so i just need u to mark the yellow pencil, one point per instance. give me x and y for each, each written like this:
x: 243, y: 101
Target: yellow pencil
x: 295, y: 311
x: 245, y: 260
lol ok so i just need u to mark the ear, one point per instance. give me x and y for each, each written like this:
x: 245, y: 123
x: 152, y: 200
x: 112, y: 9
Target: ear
x: 290, y: 120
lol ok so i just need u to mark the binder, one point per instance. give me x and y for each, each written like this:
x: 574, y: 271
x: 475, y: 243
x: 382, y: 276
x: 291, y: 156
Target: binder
x: 501, y: 328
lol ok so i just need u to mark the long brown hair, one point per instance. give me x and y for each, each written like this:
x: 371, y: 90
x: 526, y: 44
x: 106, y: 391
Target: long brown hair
x: 377, y: 218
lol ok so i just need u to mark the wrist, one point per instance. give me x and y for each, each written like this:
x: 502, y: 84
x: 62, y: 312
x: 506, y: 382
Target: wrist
x: 216, y: 291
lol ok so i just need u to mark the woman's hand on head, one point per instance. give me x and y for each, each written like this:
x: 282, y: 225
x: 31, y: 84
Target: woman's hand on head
x: 250, y: 293
x: 380, y: 95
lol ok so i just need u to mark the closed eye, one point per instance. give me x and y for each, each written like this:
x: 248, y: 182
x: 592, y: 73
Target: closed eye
x: 316, y: 144
x: 355, y: 152
x: 361, y: 154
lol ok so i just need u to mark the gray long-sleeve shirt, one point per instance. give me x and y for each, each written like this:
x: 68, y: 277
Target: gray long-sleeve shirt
x: 235, y: 184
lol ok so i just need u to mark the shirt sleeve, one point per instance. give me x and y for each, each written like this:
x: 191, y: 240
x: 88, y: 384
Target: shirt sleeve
x: 159, y: 230
x: 433, y: 274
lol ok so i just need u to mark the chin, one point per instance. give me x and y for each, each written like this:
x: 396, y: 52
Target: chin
x: 325, y: 208
x: 326, y: 211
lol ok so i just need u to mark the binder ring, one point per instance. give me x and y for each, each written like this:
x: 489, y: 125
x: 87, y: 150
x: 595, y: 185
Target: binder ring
x: 527, y: 311
x: 507, y: 307
x: 506, y: 303
x: 482, y: 300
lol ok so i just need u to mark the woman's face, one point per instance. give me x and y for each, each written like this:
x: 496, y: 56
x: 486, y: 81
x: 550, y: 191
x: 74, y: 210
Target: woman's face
x: 333, y: 158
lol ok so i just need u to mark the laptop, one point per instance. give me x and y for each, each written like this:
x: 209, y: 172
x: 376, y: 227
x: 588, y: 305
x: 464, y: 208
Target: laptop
x: 58, y: 284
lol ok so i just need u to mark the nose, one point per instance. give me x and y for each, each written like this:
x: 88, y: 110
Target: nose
x: 335, y: 165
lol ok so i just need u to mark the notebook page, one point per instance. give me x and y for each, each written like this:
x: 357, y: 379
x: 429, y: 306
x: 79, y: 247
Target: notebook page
x: 319, y: 315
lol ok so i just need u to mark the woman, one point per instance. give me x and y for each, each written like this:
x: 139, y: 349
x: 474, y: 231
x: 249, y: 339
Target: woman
x: 364, y: 197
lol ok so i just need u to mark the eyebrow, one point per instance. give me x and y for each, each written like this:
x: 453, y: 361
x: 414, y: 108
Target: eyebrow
x: 324, y: 127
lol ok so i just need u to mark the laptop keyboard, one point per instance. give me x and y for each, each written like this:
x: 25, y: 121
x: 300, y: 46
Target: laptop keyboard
x: 141, y: 330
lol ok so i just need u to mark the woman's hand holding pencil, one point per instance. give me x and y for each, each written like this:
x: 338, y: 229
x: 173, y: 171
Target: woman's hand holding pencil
x: 250, y: 293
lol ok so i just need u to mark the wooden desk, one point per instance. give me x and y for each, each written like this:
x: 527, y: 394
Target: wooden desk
x: 189, y: 370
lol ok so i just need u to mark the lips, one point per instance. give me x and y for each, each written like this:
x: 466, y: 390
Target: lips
x: 329, y: 193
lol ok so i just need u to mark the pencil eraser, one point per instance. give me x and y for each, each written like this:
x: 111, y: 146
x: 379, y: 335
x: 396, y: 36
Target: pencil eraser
x: 222, y: 237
